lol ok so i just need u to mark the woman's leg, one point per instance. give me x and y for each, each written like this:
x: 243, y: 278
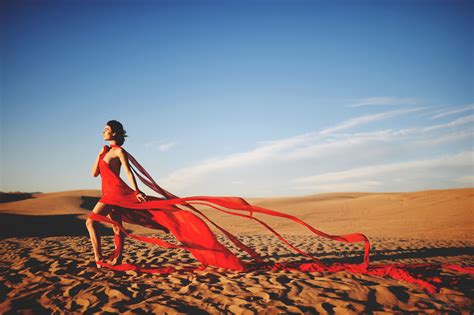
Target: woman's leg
x: 102, y: 209
x: 116, y: 215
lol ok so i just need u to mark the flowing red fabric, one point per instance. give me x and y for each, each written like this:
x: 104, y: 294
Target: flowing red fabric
x: 196, y: 237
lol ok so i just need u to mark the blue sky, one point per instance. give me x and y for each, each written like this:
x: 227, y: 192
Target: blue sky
x: 240, y: 98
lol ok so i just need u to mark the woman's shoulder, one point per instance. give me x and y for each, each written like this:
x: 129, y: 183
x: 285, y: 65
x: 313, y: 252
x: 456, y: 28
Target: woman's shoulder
x: 117, y: 149
x: 107, y: 148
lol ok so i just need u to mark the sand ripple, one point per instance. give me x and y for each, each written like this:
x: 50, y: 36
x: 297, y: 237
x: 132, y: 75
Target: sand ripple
x: 56, y: 274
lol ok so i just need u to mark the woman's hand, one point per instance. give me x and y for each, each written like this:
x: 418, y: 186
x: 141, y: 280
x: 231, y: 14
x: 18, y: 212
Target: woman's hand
x: 95, y: 167
x: 141, y: 197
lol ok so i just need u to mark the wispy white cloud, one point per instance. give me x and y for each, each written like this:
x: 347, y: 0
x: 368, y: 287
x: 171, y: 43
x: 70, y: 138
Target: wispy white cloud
x: 427, y: 129
x: 385, y: 100
x: 345, y: 142
x: 266, y: 151
x: 416, y: 137
x: 166, y: 146
x: 340, y: 143
x: 327, y: 147
x: 455, y: 123
x: 447, y: 138
x: 281, y: 149
x: 460, y: 159
x: 290, y: 141
x: 160, y: 145
x: 353, y: 122
x: 451, y: 111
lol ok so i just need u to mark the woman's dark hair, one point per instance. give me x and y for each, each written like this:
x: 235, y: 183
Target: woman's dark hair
x: 120, y: 133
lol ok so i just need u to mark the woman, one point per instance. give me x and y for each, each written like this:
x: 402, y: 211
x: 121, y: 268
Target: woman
x: 115, y: 134
x: 120, y: 202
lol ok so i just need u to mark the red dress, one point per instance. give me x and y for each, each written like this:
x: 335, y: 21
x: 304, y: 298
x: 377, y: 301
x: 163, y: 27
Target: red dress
x: 189, y: 229
x: 196, y: 237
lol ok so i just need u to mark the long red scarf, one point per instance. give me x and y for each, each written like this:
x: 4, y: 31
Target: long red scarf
x: 197, y: 238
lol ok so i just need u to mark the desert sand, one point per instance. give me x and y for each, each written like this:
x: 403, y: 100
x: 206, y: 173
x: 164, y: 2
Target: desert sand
x: 47, y: 263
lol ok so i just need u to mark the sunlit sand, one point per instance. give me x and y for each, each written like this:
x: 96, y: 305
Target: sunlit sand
x: 47, y: 260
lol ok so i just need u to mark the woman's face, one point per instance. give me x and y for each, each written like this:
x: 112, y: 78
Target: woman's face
x: 107, y: 133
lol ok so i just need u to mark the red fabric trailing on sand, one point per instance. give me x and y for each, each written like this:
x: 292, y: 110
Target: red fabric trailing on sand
x: 196, y: 237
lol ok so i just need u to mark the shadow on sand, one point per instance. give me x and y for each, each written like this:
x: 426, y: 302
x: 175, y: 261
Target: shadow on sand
x: 356, y: 256
x: 10, y: 197
x: 88, y: 203
x: 17, y: 225
x: 14, y: 225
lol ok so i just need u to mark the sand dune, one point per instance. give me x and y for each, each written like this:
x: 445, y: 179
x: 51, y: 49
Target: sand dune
x: 434, y: 214
x: 46, y: 258
x: 56, y: 203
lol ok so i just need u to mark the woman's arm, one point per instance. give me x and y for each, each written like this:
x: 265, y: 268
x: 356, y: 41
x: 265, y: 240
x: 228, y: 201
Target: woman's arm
x: 95, y: 167
x: 124, y: 160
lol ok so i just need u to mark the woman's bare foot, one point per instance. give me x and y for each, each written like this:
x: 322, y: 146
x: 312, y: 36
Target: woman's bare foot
x: 98, y: 259
x: 116, y: 261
